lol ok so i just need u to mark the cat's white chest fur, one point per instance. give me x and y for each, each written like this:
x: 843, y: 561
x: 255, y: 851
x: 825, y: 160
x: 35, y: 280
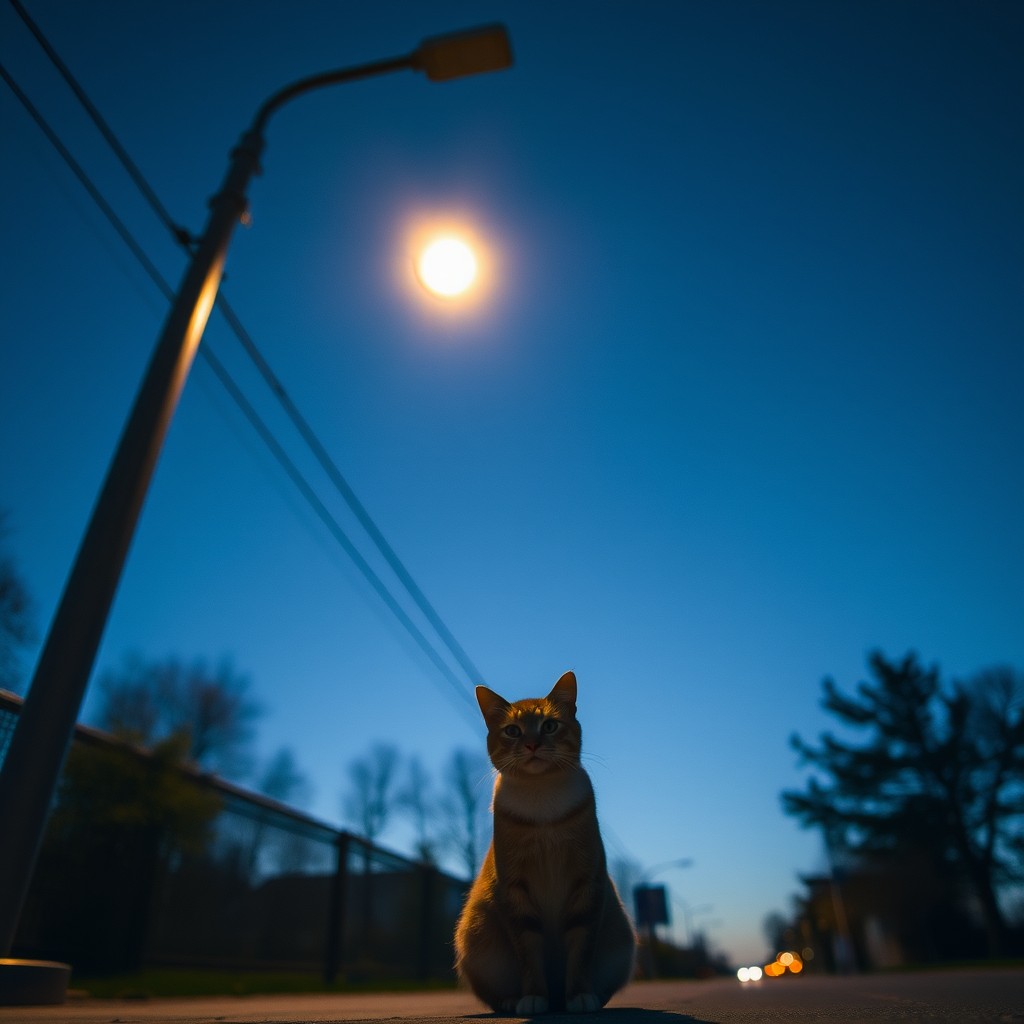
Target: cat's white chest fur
x: 542, y: 799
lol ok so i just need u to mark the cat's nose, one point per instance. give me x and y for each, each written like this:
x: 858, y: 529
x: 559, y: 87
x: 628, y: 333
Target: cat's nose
x: 531, y: 747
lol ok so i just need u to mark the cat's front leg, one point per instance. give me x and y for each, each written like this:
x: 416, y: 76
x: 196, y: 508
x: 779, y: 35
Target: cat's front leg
x: 526, y: 933
x: 580, y: 996
x: 585, y: 1002
x: 529, y: 1005
x: 529, y: 943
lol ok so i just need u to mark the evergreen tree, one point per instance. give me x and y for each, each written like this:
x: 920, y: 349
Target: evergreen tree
x: 938, y: 781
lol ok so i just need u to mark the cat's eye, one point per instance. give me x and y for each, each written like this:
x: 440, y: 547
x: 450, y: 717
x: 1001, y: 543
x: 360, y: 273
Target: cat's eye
x: 512, y: 731
x: 550, y: 726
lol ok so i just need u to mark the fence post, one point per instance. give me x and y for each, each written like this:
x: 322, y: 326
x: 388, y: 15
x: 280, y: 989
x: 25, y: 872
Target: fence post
x: 336, y: 913
x: 427, y: 889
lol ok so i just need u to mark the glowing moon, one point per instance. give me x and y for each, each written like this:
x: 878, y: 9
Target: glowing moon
x: 447, y: 267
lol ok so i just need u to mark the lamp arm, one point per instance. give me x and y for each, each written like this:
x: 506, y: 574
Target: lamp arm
x: 335, y: 77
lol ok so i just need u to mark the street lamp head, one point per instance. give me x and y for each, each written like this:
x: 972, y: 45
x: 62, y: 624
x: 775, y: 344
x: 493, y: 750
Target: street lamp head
x: 471, y: 52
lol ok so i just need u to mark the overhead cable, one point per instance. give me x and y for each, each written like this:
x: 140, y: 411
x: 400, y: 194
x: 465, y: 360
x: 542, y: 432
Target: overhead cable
x: 136, y: 175
x: 246, y: 407
x: 335, y: 475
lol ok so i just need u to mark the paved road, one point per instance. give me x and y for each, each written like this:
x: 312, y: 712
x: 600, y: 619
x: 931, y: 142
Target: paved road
x: 953, y: 997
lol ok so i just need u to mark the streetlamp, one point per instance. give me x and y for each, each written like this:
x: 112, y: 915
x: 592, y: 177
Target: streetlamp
x: 47, y: 719
x: 683, y: 862
x: 652, y: 906
x: 689, y: 913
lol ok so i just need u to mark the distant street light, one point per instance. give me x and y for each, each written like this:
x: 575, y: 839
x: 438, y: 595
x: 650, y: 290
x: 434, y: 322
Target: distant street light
x: 683, y: 862
x: 47, y: 720
x: 689, y: 913
x: 652, y: 907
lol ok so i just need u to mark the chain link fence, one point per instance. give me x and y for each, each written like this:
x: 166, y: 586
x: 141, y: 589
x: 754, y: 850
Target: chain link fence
x: 149, y: 863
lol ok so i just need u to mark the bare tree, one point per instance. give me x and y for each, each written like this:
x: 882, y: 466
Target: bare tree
x: 135, y: 701
x: 368, y: 805
x: 146, y: 702
x: 371, y: 799
x: 289, y: 852
x: 465, y: 806
x: 16, y: 628
x: 416, y: 799
x: 283, y: 780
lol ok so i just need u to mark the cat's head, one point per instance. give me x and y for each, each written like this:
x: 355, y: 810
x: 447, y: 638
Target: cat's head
x: 535, y: 736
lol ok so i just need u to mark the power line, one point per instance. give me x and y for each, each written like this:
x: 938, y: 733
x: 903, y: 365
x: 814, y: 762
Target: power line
x: 94, y: 193
x: 180, y: 234
x: 339, y: 534
x: 245, y: 338
x: 246, y: 407
x: 343, y: 486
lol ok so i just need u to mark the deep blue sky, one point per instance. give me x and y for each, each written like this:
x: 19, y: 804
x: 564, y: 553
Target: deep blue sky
x: 742, y: 403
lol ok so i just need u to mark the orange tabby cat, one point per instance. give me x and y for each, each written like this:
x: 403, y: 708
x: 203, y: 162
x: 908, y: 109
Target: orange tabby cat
x: 543, y: 927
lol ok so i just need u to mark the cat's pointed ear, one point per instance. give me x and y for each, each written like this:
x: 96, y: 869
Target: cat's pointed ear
x: 564, y: 691
x: 491, y: 704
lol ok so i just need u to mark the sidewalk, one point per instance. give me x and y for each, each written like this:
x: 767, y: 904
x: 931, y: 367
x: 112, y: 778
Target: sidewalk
x: 993, y: 996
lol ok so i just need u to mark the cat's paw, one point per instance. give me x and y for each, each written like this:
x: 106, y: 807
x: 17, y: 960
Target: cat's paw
x: 585, y: 1002
x: 532, y: 1004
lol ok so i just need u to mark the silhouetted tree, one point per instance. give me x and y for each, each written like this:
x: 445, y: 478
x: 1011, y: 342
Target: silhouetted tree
x: 16, y: 627
x: 778, y: 930
x: 282, y: 780
x: 936, y: 791
x: 368, y: 805
x: 121, y: 818
x: 148, y: 702
x: 371, y: 796
x: 416, y: 799
x: 465, y: 806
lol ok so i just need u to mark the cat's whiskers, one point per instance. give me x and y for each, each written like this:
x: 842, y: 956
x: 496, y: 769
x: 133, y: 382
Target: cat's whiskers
x: 503, y: 764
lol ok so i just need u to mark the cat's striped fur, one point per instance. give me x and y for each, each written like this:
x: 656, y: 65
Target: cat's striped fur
x: 543, y: 927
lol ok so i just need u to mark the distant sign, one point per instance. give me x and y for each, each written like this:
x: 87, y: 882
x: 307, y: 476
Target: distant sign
x: 651, y: 905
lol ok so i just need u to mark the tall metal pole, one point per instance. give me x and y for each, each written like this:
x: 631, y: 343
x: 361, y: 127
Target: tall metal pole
x: 46, y: 724
x: 48, y: 716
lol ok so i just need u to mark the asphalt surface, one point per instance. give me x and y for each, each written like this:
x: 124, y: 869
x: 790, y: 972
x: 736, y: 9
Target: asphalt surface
x: 959, y: 997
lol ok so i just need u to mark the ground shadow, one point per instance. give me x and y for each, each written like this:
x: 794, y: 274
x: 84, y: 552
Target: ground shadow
x: 614, y: 1015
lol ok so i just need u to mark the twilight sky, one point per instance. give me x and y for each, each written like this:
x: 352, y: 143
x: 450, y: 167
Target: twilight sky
x: 741, y: 401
